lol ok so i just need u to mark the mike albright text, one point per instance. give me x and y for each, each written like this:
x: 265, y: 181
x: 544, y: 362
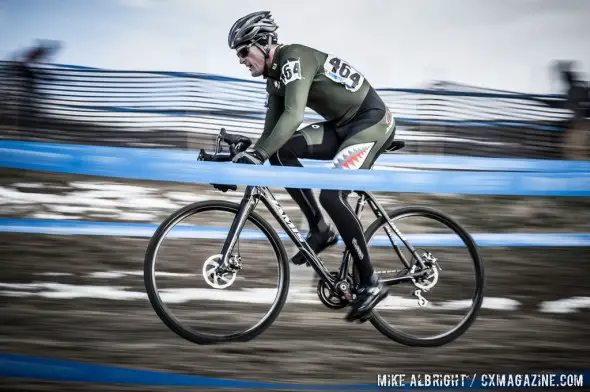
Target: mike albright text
x: 483, y: 380
x: 423, y: 380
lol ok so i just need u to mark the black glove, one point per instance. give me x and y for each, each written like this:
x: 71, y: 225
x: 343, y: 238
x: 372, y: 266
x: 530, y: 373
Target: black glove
x: 251, y: 157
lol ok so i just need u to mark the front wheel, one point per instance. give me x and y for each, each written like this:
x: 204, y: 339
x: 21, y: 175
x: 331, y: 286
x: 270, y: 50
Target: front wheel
x: 440, y: 307
x: 251, y: 290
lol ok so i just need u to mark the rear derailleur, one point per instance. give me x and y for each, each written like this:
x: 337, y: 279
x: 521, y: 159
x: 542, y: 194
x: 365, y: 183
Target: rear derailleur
x: 424, y: 284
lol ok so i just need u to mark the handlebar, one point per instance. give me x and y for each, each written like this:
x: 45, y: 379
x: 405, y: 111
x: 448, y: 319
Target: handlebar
x: 236, y: 143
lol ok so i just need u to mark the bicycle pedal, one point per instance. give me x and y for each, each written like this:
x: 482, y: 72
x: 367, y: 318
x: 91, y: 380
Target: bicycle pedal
x: 364, y: 318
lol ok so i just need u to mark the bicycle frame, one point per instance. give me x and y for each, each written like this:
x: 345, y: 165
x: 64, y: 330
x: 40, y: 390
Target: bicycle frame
x: 253, y: 194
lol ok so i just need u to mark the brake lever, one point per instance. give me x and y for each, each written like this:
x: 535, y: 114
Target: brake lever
x: 203, y: 156
x: 236, y: 148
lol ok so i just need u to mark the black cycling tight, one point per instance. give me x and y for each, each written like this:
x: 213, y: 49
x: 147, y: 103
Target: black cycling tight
x: 334, y: 201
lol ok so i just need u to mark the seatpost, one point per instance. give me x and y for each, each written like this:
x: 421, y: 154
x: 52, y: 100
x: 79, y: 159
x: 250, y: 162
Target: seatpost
x: 360, y: 205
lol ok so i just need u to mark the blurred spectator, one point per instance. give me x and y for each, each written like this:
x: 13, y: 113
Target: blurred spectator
x: 576, y: 140
x: 25, y: 72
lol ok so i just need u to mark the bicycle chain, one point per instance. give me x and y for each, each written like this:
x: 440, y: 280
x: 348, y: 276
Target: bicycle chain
x: 397, y: 272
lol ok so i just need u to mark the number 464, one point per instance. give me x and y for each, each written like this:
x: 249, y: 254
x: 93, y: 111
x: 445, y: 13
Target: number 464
x: 344, y: 70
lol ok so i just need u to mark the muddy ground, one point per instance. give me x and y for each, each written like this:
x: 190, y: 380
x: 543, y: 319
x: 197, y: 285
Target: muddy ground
x: 308, y: 343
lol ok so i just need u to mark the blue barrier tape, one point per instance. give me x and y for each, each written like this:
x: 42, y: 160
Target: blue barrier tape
x: 162, y: 165
x: 462, y: 163
x: 476, y: 163
x: 124, y: 229
x: 12, y: 365
x: 21, y: 366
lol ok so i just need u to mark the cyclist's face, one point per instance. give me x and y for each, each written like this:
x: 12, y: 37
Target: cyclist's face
x: 253, y: 58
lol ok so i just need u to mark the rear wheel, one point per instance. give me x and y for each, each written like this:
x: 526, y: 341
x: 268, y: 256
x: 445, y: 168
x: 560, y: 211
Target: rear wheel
x: 451, y: 252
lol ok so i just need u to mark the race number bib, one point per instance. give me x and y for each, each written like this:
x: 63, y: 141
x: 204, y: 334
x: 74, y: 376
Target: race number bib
x: 341, y: 72
x: 291, y: 71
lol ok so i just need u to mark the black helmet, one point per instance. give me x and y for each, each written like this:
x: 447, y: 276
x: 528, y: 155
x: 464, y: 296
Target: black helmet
x: 252, y: 27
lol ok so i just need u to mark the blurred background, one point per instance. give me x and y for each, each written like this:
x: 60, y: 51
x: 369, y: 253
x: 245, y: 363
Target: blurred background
x: 475, y: 86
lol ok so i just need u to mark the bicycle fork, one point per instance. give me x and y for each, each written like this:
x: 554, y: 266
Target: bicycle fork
x: 247, y: 205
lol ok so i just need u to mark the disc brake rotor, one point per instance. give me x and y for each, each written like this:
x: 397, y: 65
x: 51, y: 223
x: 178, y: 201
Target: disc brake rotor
x: 215, y: 280
x: 431, y: 280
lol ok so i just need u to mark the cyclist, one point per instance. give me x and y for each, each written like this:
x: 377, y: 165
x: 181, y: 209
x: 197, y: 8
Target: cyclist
x: 358, y: 128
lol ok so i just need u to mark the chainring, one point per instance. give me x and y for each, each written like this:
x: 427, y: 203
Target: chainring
x: 328, y: 297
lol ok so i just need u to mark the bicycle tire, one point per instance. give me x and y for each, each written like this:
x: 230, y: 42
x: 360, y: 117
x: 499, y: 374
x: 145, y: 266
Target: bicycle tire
x: 395, y: 334
x: 168, y: 318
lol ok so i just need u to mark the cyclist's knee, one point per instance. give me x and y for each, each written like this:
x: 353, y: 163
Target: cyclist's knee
x: 332, y: 198
x: 274, y: 159
x: 326, y: 196
x: 285, y: 156
x: 279, y: 158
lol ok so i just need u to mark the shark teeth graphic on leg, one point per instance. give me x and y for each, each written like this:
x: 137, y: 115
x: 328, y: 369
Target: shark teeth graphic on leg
x: 352, y: 157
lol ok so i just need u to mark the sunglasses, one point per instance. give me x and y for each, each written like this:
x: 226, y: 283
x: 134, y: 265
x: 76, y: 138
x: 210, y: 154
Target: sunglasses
x: 244, y: 51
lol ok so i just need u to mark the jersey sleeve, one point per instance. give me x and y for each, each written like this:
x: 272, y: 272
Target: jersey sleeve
x: 298, y: 69
x: 276, y: 106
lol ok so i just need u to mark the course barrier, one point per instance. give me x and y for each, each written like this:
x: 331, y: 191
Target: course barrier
x: 146, y: 230
x: 120, y: 103
x: 21, y: 366
x: 400, y: 160
x: 180, y: 166
x: 177, y: 109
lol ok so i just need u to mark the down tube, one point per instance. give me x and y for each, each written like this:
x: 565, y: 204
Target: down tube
x: 275, y: 208
x: 277, y: 211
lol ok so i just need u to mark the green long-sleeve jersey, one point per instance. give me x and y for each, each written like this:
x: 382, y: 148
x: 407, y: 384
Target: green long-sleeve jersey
x: 300, y: 77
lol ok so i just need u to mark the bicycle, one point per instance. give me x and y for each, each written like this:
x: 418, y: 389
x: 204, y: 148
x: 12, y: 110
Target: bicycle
x: 335, y: 289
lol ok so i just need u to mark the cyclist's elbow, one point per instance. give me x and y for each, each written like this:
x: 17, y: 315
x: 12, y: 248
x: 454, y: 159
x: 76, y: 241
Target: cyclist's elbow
x: 295, y: 115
